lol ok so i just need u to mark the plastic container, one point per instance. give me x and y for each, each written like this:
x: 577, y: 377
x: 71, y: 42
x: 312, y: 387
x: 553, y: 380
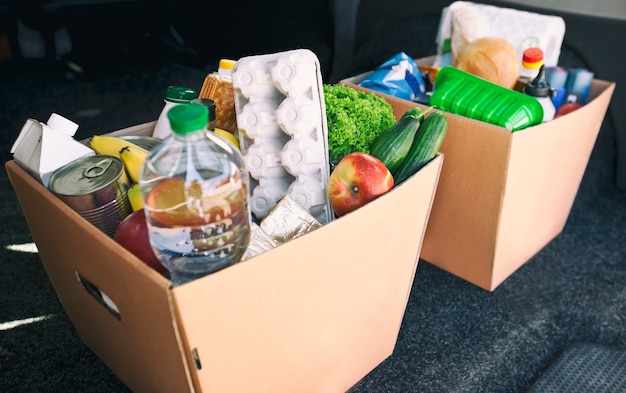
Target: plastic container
x: 281, y: 118
x: 532, y: 60
x: 174, y: 95
x: 539, y: 88
x: 459, y: 92
x: 195, y: 190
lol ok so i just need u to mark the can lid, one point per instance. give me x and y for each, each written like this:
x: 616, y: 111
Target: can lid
x: 188, y: 118
x: 86, y: 175
x: 180, y: 94
x: 532, y: 55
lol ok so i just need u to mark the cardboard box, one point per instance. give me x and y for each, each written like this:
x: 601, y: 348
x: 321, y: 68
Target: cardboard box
x: 315, y: 314
x: 503, y: 196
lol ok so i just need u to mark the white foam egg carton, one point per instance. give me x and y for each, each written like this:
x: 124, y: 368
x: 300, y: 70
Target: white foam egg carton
x: 281, y: 116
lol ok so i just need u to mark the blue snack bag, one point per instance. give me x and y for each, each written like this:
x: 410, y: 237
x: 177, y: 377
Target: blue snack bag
x: 399, y: 76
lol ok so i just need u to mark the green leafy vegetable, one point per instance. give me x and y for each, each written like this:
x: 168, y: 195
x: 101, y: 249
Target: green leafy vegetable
x: 354, y: 118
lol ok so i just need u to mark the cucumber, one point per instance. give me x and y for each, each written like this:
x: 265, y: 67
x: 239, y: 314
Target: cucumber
x: 417, y: 112
x: 424, y: 148
x: 392, y: 145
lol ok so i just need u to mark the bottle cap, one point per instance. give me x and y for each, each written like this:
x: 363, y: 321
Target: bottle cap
x: 539, y: 87
x: 180, y: 94
x: 532, y: 58
x: 188, y: 118
x: 210, y: 104
x: 226, y: 64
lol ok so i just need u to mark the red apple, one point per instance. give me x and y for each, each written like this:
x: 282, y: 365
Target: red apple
x: 132, y: 234
x: 357, y: 179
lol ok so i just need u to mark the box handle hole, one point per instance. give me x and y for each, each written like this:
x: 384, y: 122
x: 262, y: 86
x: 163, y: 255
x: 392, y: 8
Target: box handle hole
x: 102, y: 298
x: 196, y: 358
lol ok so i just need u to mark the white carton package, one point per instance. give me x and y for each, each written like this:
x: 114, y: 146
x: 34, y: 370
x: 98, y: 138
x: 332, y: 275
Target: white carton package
x: 281, y: 116
x: 42, y: 148
x: 464, y: 21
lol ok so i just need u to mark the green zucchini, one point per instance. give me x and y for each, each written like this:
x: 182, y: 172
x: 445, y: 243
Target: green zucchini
x: 392, y: 145
x: 424, y: 148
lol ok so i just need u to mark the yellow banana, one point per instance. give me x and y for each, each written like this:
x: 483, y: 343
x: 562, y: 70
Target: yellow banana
x: 110, y: 145
x: 133, y: 157
x: 228, y: 136
x: 134, y: 197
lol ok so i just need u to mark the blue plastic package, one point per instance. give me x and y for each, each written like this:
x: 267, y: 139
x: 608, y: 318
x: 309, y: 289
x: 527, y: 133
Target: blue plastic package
x: 399, y: 76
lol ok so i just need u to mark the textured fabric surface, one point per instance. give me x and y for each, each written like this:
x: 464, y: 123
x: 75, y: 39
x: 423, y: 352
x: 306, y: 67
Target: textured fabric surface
x: 583, y: 368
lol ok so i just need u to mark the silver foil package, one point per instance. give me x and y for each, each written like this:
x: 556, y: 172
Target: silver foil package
x: 288, y: 220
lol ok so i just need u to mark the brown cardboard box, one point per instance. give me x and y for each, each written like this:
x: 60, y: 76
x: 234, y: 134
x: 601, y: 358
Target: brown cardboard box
x: 503, y: 196
x: 315, y: 314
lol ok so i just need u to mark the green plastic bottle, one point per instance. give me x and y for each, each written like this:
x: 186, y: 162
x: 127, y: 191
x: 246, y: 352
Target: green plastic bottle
x: 459, y: 92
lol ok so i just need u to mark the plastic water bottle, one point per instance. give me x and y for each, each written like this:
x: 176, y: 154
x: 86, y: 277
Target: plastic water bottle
x: 540, y: 89
x: 174, y: 95
x: 195, y: 189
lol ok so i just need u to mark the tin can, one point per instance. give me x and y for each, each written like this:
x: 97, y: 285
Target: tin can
x: 96, y: 188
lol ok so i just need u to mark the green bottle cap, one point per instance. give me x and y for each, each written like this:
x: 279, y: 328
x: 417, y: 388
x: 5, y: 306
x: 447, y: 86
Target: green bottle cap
x: 180, y: 94
x: 188, y: 118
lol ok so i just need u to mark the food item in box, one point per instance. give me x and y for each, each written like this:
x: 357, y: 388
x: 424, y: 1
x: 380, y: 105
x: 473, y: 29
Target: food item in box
x: 358, y: 179
x: 259, y: 242
x: 219, y: 88
x: 464, y: 94
x: 464, y: 21
x: 425, y: 146
x: 195, y: 191
x: 355, y: 118
x: 174, y: 95
x: 96, y: 188
x: 393, y: 144
x: 399, y: 76
x: 132, y: 234
x: 288, y: 220
x: 493, y: 59
x: 283, y: 131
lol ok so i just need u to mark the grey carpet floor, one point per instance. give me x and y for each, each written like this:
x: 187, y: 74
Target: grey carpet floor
x: 455, y: 337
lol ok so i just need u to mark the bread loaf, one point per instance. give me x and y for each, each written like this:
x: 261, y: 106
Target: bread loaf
x: 493, y: 59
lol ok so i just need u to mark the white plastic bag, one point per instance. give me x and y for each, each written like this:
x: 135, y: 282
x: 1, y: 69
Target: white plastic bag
x: 464, y: 21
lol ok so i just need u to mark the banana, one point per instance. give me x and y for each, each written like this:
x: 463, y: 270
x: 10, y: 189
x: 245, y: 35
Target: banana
x: 134, y: 197
x: 228, y: 136
x: 133, y: 157
x: 110, y: 145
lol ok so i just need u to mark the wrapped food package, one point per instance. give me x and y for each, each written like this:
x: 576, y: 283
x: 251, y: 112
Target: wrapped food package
x: 219, y: 88
x: 288, y: 220
x: 259, y: 242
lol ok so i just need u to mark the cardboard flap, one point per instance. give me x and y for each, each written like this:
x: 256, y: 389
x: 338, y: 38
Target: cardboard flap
x: 326, y: 306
